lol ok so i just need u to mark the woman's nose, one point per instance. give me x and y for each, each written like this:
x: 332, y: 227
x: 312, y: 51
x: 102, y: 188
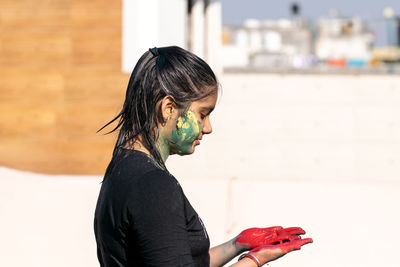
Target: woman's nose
x: 207, y: 128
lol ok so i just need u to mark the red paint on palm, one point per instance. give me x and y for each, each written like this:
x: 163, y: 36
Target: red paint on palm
x: 285, y: 247
x: 267, y: 253
x: 255, y: 237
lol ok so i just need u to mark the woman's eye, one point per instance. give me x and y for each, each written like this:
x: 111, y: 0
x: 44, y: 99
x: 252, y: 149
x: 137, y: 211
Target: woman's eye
x: 202, y: 116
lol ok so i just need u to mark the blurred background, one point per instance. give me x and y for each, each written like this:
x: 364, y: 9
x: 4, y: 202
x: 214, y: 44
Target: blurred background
x: 306, y: 130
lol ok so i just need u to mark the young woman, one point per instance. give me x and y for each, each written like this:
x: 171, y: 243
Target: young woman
x: 142, y: 217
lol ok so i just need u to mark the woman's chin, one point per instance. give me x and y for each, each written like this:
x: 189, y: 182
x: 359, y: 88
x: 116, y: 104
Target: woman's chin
x: 183, y: 153
x: 191, y: 151
x: 187, y: 151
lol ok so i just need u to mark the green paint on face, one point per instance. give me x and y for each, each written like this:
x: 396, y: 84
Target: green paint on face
x: 187, y: 130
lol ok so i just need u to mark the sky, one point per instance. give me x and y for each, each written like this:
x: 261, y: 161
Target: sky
x: 236, y: 11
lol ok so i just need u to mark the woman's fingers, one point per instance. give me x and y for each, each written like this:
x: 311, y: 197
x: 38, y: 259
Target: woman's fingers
x: 294, y: 244
x: 292, y: 231
x: 267, y: 253
x: 273, y: 228
x: 255, y: 237
x: 284, y: 237
x: 306, y: 241
x: 295, y: 237
x: 287, y: 234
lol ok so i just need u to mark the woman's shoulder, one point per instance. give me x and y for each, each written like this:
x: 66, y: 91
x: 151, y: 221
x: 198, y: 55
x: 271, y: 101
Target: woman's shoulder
x: 138, y: 169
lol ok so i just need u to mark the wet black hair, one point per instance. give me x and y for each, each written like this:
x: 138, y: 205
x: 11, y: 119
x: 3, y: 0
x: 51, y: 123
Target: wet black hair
x: 164, y: 71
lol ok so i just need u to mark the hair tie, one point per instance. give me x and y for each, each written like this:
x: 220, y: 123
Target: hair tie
x: 154, y: 51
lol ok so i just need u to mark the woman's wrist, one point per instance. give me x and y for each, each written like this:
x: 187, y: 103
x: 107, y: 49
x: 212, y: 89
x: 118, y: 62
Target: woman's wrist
x: 252, y: 257
x: 238, y: 247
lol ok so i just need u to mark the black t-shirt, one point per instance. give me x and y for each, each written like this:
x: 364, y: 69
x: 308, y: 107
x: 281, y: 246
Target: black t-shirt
x: 143, y: 218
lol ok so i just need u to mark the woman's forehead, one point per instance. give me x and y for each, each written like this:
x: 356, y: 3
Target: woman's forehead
x: 208, y: 102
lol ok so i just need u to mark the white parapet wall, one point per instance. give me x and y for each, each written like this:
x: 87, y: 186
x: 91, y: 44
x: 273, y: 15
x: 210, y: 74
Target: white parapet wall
x: 49, y: 219
x: 303, y: 127
x: 317, y: 151
x: 320, y: 152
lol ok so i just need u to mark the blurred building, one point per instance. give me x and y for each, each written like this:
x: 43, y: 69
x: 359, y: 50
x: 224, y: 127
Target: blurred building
x: 271, y: 43
x: 282, y: 45
x: 343, y: 41
x: 387, y: 37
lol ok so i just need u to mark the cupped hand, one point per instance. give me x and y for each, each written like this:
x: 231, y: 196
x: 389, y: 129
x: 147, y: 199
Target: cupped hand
x: 255, y: 237
x: 267, y: 253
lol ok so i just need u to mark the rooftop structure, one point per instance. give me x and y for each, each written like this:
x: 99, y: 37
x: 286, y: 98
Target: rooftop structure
x: 344, y: 39
x: 267, y: 43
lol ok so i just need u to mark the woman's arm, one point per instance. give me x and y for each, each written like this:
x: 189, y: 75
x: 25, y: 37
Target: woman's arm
x: 225, y: 252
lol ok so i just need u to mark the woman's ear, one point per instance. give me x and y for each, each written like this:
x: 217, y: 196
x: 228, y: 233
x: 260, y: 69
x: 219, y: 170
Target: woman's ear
x: 168, y: 108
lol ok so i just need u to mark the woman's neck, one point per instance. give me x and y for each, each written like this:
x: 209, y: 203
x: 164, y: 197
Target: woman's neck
x: 162, y: 146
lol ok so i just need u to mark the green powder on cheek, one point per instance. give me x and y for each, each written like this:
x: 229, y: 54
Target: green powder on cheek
x: 187, y: 130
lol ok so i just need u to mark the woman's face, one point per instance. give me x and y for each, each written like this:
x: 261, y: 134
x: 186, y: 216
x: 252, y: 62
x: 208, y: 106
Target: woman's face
x: 192, y: 125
